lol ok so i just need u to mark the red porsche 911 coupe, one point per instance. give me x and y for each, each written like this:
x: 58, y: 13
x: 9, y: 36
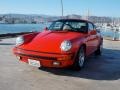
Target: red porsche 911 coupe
x: 67, y: 42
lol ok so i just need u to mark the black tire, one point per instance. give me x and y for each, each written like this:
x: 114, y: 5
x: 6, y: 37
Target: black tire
x: 99, y: 50
x: 80, y: 59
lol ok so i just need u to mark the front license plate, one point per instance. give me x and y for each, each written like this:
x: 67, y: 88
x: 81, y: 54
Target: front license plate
x: 34, y: 63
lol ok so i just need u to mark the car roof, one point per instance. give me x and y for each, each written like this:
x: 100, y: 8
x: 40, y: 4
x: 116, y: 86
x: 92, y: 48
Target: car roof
x: 78, y: 20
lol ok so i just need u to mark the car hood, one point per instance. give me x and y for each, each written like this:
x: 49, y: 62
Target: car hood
x: 50, y: 41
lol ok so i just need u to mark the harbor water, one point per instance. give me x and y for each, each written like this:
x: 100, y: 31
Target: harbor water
x: 17, y: 28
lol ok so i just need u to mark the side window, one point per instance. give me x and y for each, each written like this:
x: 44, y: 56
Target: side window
x: 90, y: 26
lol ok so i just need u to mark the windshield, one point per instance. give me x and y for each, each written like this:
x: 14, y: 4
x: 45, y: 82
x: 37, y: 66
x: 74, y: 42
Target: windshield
x: 78, y: 26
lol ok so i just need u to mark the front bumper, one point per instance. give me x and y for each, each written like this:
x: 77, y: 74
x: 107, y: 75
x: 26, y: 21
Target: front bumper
x: 45, y: 59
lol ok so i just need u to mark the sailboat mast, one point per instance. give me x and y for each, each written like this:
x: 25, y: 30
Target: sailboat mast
x: 88, y: 14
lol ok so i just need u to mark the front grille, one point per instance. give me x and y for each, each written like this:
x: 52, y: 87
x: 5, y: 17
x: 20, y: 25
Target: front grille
x: 38, y: 57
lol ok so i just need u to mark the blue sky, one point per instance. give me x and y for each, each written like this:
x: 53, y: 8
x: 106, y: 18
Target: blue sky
x: 52, y: 7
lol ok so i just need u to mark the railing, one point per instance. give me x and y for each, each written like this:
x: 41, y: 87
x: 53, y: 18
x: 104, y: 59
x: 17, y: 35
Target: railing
x: 112, y: 34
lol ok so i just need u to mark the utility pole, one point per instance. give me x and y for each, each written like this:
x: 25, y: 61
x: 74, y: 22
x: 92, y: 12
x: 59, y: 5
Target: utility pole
x: 62, y: 8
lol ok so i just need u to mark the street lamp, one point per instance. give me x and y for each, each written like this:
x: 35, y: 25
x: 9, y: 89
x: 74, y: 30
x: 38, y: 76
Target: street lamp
x: 62, y: 7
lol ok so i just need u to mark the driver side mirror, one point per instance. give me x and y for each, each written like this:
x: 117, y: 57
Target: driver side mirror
x: 46, y: 29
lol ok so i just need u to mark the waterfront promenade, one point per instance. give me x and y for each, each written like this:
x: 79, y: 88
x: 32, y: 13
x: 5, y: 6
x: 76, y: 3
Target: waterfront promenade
x: 100, y: 73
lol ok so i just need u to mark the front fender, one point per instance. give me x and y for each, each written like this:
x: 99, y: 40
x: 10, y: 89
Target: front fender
x: 77, y: 43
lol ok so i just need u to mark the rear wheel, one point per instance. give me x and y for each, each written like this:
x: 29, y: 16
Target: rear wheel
x: 80, y: 60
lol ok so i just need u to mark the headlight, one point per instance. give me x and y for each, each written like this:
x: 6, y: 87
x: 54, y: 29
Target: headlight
x: 19, y: 40
x: 66, y: 46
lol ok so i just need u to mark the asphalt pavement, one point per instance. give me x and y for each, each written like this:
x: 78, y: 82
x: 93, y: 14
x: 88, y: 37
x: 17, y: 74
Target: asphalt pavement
x: 99, y: 73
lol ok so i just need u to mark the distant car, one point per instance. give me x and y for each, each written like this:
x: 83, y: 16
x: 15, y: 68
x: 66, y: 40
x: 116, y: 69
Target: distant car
x: 67, y: 42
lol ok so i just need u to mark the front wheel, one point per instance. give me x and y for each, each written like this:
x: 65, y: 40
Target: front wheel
x: 80, y: 60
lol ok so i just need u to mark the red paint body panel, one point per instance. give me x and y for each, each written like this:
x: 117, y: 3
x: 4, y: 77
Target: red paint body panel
x: 45, y: 47
x: 48, y: 41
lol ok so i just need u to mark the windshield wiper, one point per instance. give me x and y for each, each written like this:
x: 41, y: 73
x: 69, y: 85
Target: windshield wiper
x: 55, y: 30
x: 73, y: 30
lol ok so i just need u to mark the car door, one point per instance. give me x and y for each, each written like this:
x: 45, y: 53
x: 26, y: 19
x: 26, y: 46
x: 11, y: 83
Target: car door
x: 91, y: 39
